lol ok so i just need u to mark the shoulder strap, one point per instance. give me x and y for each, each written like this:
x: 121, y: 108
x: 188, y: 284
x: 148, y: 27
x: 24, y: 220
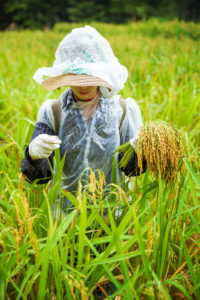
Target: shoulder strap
x: 123, y: 106
x: 56, y: 108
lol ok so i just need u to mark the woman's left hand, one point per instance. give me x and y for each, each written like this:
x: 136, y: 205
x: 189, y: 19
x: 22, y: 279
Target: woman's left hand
x: 134, y: 140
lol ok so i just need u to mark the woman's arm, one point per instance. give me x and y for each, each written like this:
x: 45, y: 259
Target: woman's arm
x: 38, y: 169
x: 132, y: 168
x: 129, y: 129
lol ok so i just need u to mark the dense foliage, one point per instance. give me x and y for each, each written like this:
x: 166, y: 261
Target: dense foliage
x: 147, y: 245
x: 40, y: 14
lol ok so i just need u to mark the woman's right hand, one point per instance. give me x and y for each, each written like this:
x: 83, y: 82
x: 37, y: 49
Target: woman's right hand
x: 43, y: 145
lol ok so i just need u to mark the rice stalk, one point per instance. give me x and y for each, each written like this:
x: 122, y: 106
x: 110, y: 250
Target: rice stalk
x: 92, y: 185
x: 74, y: 283
x: 100, y: 188
x: 19, y: 222
x: 26, y: 223
x: 17, y: 240
x: 121, y: 196
x: 79, y: 195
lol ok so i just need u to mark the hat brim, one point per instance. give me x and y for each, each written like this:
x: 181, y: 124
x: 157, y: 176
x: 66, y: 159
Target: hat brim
x: 52, y: 83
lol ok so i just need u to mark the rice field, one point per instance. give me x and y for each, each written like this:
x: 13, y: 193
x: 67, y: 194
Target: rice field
x: 147, y: 246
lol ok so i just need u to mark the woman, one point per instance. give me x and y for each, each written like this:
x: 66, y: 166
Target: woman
x: 93, y: 120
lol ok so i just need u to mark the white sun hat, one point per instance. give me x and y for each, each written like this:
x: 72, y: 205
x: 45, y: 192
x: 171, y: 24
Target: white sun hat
x: 84, y: 57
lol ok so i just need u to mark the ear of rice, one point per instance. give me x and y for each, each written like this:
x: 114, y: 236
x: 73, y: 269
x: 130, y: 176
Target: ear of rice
x: 161, y: 145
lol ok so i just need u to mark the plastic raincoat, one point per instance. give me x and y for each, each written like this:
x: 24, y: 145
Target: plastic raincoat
x: 87, y: 144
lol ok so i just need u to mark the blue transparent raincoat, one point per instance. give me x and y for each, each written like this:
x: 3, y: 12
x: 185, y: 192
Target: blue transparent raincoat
x: 90, y: 144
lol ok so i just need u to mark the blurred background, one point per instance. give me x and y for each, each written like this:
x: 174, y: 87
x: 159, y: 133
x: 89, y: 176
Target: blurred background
x: 37, y: 14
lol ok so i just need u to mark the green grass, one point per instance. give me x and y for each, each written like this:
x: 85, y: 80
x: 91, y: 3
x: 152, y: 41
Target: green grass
x: 151, y: 250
